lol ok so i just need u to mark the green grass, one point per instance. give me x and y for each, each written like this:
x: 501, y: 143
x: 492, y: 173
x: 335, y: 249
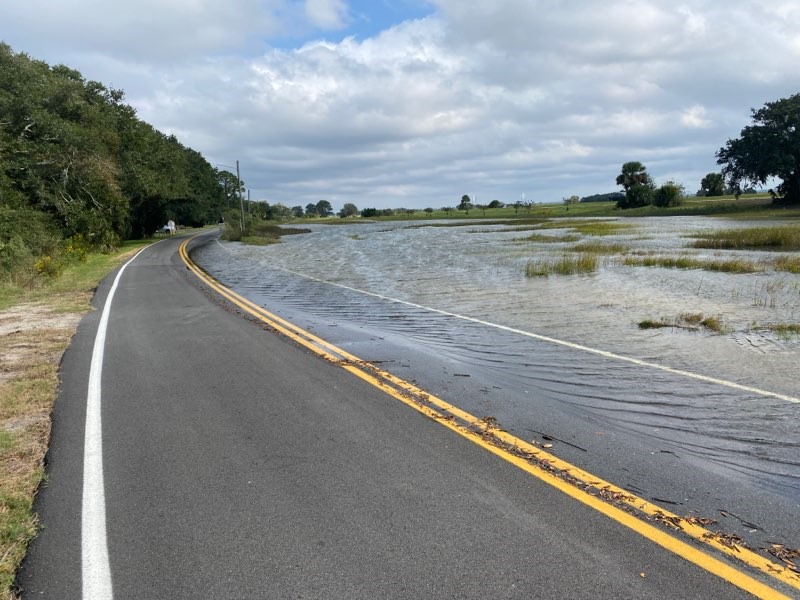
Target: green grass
x: 784, y: 238
x: 691, y: 321
x: 566, y: 264
x: 551, y: 239
x: 790, y: 264
x: 688, y: 262
x: 604, y: 248
x: 593, y: 228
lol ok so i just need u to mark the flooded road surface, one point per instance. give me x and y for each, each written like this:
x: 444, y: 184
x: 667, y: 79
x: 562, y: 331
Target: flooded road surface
x: 703, y: 423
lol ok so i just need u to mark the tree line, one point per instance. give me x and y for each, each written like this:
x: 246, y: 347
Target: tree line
x: 79, y: 171
x: 767, y: 149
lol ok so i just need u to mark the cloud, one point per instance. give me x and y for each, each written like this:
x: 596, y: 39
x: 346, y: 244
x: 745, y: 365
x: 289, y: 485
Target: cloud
x: 490, y: 97
x: 326, y: 14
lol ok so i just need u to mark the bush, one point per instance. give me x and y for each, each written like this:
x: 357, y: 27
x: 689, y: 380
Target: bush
x: 669, y: 194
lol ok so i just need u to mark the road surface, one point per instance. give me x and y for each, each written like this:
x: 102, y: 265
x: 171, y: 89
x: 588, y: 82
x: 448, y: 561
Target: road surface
x: 238, y: 464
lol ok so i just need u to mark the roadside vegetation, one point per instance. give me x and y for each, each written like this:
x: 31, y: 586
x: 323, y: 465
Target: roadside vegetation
x: 36, y: 325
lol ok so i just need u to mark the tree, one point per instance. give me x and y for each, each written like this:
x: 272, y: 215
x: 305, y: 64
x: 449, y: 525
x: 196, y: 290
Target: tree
x: 348, y: 210
x: 712, y: 184
x: 669, y: 194
x: 637, y: 195
x: 311, y: 210
x: 465, y: 204
x: 429, y: 210
x: 324, y: 208
x: 297, y: 211
x: 633, y: 172
x: 495, y: 204
x: 768, y: 148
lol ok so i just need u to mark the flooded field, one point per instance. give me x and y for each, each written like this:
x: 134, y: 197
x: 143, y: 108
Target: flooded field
x: 452, y: 308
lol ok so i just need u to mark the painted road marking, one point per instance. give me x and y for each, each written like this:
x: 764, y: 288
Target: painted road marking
x: 566, y: 477
x: 551, y: 340
x: 95, y: 566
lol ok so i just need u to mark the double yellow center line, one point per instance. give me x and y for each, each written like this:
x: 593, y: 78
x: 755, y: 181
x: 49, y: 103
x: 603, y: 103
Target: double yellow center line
x: 612, y: 501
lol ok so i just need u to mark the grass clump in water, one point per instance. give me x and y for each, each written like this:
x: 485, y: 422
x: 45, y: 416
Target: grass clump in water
x: 596, y: 228
x: 790, y: 264
x: 688, y: 262
x: 561, y: 265
x: 691, y: 321
x: 754, y: 238
x: 590, y: 247
x: 551, y: 239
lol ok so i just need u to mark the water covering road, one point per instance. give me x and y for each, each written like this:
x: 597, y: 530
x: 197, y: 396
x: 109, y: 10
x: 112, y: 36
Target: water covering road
x: 395, y: 293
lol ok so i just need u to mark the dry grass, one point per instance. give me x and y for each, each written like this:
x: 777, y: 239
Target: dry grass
x: 32, y: 339
x: 36, y: 327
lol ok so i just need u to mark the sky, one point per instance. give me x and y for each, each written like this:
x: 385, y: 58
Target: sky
x: 414, y: 103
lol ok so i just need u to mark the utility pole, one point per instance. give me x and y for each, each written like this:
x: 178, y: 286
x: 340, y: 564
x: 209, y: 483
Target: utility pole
x: 239, y: 192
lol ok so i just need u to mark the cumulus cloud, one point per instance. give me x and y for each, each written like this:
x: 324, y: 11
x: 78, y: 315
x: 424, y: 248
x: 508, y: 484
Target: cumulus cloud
x: 493, y: 97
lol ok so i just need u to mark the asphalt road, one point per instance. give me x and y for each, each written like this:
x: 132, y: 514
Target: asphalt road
x: 239, y: 465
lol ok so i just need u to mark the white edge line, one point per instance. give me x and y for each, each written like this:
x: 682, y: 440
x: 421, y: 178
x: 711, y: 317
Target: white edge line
x: 95, y: 566
x: 574, y: 346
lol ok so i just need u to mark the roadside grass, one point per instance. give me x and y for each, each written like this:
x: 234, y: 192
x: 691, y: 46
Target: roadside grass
x: 36, y: 326
x: 261, y: 233
x: 562, y: 265
x: 690, y: 321
x: 784, y: 238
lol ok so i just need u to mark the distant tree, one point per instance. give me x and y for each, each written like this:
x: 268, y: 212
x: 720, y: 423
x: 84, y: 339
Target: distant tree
x: 633, y: 173
x: 369, y: 212
x: 669, y: 194
x: 637, y: 195
x: 572, y: 200
x: 447, y: 210
x: 496, y: 204
x: 429, y: 210
x: 517, y: 205
x: 324, y: 208
x: 297, y: 211
x: 712, y: 184
x: 465, y: 204
x: 768, y: 148
x: 348, y: 210
x: 311, y: 210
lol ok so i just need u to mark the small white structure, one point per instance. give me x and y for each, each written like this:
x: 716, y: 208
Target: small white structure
x: 169, y: 228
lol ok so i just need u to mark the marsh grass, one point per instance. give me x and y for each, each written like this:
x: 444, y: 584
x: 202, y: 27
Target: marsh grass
x: 566, y: 264
x: 690, y: 321
x: 551, y: 239
x: 590, y: 247
x: 590, y: 227
x: 790, y: 264
x: 785, y: 238
x: 688, y: 262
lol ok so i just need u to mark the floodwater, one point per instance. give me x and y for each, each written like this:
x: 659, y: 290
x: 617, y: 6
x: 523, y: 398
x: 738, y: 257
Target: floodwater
x: 452, y: 309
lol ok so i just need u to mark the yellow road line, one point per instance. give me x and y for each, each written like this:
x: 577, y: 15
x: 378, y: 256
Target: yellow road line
x: 558, y: 473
